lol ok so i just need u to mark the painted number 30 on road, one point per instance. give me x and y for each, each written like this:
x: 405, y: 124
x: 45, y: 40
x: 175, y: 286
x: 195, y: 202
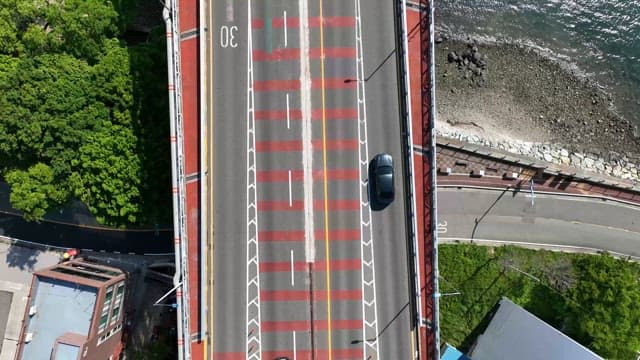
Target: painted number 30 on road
x: 228, y: 36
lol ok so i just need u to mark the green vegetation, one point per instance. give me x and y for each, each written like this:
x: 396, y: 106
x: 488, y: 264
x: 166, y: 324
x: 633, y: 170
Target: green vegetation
x: 593, y: 299
x: 82, y: 114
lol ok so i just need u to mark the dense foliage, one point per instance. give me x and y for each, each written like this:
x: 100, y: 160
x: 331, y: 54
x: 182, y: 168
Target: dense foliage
x: 593, y: 299
x: 82, y: 115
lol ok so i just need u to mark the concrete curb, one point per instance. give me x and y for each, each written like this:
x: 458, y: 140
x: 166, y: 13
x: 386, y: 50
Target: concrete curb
x: 587, y: 196
x: 539, y: 246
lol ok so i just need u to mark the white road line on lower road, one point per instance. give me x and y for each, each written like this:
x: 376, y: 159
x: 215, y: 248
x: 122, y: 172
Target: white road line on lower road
x: 288, y: 115
x: 293, y: 281
x: 295, y: 355
x: 290, y: 196
x: 284, y: 17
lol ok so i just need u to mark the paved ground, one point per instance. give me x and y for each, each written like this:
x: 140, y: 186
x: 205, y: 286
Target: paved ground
x: 15, y: 278
x: 5, y: 306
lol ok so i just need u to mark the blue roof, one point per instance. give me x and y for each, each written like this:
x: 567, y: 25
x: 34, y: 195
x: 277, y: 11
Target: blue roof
x: 451, y: 353
x: 61, y: 307
x: 67, y: 352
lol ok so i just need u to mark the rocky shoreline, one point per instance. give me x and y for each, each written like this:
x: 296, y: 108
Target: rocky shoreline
x: 511, y: 97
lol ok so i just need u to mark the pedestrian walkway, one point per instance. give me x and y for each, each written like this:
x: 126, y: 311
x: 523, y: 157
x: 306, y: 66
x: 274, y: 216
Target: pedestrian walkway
x: 464, y: 164
x: 16, y: 272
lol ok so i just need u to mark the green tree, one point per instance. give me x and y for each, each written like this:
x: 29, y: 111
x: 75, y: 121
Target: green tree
x: 607, y: 318
x: 34, y: 191
x: 108, y: 174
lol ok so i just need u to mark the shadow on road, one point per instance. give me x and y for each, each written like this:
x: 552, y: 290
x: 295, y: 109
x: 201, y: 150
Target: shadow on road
x: 478, y: 220
x: 22, y: 258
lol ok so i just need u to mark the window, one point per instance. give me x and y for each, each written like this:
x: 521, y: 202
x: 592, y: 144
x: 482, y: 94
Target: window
x: 117, y: 303
x: 103, y: 322
x: 108, y: 296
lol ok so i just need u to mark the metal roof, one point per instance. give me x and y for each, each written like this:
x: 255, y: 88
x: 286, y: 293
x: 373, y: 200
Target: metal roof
x: 515, y: 333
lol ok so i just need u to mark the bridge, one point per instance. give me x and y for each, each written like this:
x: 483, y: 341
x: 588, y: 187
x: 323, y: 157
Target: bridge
x: 276, y: 109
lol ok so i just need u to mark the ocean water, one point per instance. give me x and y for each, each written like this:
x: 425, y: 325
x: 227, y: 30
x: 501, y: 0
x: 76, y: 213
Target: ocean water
x: 601, y: 38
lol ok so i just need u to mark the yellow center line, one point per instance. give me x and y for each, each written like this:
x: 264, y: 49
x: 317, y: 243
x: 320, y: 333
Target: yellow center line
x: 326, y: 200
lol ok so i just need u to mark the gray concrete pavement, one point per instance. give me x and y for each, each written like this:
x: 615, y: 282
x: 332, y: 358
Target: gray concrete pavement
x: 229, y: 148
x: 16, y: 272
x: 552, y: 219
x: 227, y: 141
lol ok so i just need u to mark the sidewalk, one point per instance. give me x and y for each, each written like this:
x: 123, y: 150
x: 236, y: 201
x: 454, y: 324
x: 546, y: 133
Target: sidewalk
x: 464, y: 164
x: 15, y: 281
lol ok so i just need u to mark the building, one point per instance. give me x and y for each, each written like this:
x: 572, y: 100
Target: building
x: 74, y: 311
x: 515, y: 333
x: 448, y: 352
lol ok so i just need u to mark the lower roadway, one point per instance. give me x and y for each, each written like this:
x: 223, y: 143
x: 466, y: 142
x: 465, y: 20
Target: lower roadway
x: 514, y: 216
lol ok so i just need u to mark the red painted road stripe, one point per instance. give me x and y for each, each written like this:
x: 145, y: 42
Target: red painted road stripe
x: 298, y: 205
x: 296, y: 145
x: 281, y: 235
x: 276, y: 85
x: 336, y: 265
x: 294, y: 54
x: 238, y: 355
x: 285, y: 145
x: 298, y: 235
x: 294, y: 85
x: 353, y: 353
x: 316, y: 114
x: 303, y: 295
x: 297, y: 175
x: 277, y: 205
x: 305, y: 325
x: 333, y: 114
x: 340, y: 234
x: 335, y: 205
x: 294, y: 114
x: 338, y: 144
x: 333, y: 52
x: 294, y: 22
x: 333, y: 83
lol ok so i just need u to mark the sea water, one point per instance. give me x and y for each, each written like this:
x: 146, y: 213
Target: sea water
x: 601, y: 38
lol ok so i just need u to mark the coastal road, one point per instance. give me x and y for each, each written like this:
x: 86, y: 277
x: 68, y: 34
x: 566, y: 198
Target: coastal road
x: 550, y: 219
x: 303, y: 94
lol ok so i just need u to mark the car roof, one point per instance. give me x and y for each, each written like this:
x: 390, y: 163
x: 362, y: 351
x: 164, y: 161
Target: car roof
x: 384, y: 159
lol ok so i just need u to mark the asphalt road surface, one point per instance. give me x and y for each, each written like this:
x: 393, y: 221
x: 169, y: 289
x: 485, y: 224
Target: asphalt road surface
x: 302, y: 267
x: 548, y: 219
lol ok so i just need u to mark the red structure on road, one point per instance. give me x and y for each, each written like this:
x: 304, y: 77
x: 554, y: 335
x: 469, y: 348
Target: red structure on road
x: 421, y: 41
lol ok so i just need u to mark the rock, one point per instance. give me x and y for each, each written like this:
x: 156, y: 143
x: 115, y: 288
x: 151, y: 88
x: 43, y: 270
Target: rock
x: 547, y: 157
x: 588, y: 162
x: 576, y: 161
x: 565, y: 160
x: 452, y: 57
x: 564, y: 152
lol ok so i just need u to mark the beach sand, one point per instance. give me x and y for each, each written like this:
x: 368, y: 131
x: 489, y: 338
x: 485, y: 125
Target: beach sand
x: 521, y: 94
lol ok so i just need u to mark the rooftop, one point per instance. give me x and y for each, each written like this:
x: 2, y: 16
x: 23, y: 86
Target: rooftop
x: 516, y: 333
x: 61, y: 307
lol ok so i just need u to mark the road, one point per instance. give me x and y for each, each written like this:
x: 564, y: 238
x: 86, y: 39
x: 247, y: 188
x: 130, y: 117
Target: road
x: 550, y: 219
x: 301, y: 266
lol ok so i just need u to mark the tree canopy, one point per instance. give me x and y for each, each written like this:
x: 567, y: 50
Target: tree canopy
x: 72, y: 120
x: 604, y: 313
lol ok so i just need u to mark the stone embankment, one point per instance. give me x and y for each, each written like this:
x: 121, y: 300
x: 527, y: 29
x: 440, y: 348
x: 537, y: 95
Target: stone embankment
x: 618, y: 166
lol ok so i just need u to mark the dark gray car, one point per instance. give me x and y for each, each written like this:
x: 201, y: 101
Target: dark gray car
x: 381, y: 189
